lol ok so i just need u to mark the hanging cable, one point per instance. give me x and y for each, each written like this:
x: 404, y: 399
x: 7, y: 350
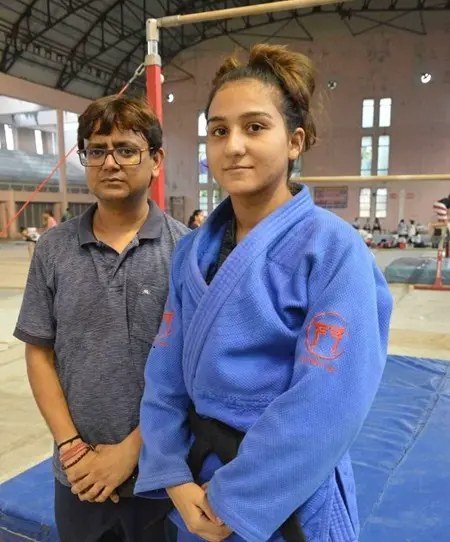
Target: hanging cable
x: 139, y: 71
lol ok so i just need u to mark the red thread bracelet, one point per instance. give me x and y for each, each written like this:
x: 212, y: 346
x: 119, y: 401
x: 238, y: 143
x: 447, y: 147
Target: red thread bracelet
x: 65, y: 467
x: 72, y: 452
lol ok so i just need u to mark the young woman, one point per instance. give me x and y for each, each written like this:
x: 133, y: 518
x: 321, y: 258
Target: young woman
x: 48, y: 220
x: 274, y: 336
x: 196, y: 219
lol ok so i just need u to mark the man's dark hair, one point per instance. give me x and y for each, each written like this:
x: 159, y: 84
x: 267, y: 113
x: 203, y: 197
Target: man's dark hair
x: 125, y: 113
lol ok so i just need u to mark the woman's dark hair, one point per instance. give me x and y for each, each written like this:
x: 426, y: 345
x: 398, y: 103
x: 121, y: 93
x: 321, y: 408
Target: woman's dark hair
x: 292, y: 73
x: 49, y: 212
x: 125, y: 113
x: 193, y: 216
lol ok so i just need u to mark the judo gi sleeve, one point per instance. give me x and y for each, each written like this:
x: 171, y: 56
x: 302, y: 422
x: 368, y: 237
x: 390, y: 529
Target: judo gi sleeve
x: 294, y: 446
x: 164, y: 405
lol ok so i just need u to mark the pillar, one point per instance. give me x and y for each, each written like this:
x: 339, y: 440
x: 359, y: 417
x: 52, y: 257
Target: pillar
x: 401, y: 204
x: 10, y: 212
x: 61, y: 155
x: 3, y: 217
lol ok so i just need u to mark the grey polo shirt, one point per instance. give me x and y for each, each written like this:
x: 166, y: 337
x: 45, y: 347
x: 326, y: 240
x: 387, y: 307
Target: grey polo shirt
x: 99, y: 311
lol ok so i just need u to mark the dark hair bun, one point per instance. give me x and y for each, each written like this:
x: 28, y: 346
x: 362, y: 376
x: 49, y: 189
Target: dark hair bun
x: 292, y: 72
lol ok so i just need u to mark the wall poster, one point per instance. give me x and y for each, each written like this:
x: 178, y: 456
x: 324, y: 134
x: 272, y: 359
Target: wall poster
x: 331, y: 197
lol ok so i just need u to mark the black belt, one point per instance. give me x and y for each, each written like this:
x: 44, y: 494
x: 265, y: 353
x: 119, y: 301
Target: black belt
x: 213, y: 436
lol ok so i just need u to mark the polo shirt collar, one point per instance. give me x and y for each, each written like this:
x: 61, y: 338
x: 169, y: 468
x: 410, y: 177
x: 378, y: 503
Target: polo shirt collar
x: 150, y: 229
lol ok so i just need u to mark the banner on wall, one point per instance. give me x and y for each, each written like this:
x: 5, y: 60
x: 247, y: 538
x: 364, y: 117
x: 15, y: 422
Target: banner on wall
x: 331, y: 197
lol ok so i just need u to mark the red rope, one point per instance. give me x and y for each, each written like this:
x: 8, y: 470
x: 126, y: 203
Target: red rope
x: 45, y: 181
x: 33, y: 195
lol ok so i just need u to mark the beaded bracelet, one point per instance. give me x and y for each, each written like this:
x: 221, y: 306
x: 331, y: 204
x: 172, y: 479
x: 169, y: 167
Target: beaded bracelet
x: 65, y: 467
x: 72, y: 452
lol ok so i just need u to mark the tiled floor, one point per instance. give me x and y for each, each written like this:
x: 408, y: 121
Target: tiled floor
x: 420, y: 327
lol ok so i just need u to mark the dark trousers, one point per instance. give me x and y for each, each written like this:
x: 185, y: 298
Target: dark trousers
x: 130, y: 520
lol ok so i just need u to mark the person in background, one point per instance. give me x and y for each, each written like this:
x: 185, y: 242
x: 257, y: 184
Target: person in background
x: 366, y: 236
x: 267, y: 364
x: 356, y: 224
x: 92, y: 306
x: 66, y: 216
x: 402, y: 229
x: 376, y: 226
x: 31, y: 236
x: 367, y: 225
x: 441, y: 209
x: 412, y: 232
x: 48, y: 220
x: 417, y: 241
x: 196, y: 219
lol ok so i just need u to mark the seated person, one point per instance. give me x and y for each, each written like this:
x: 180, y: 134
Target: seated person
x: 376, y: 226
x: 402, y: 229
x: 31, y: 236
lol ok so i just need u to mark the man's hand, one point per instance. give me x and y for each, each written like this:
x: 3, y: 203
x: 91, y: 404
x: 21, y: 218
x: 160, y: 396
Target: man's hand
x: 191, y: 502
x: 99, y: 473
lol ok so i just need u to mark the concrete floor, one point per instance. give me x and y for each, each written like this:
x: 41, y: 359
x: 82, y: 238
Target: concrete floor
x: 420, y: 328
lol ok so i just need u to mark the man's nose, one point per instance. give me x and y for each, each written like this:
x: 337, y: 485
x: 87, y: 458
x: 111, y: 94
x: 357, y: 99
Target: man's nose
x: 110, y: 162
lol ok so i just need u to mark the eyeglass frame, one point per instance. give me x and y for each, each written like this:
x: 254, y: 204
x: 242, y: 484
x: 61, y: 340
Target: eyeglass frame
x: 110, y: 152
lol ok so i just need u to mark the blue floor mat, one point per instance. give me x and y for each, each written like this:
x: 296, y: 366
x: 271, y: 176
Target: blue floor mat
x: 401, y: 461
x: 26, y: 506
x: 401, y: 457
x: 417, y: 270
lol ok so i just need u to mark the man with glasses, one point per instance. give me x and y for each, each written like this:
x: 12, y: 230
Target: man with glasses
x: 92, y: 306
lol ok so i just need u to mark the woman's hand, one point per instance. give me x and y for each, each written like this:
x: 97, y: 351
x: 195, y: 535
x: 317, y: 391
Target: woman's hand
x: 191, y: 502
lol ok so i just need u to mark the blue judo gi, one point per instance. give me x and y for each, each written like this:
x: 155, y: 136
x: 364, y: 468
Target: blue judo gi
x: 288, y: 343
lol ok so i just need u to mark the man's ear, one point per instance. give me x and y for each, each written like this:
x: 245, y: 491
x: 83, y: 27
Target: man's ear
x: 157, y: 158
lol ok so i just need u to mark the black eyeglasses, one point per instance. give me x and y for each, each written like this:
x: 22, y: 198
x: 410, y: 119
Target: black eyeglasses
x: 123, y: 156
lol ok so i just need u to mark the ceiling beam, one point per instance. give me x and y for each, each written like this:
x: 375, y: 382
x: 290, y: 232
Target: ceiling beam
x: 65, y: 77
x: 121, y: 33
x: 8, y: 60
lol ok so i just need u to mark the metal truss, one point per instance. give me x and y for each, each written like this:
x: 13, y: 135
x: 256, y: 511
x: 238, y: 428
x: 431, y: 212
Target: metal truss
x: 103, y: 41
x: 77, y: 38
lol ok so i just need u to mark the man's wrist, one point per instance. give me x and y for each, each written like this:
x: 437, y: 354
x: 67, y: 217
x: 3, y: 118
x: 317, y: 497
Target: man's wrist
x: 69, y: 441
x: 70, y: 456
x: 66, y: 447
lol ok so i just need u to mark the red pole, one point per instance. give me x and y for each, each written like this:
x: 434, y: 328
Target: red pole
x: 438, y: 281
x: 154, y: 96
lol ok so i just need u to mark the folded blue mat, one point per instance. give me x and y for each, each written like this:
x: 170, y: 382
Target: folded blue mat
x: 401, y: 460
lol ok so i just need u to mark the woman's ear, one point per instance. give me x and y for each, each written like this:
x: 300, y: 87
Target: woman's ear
x: 296, y: 141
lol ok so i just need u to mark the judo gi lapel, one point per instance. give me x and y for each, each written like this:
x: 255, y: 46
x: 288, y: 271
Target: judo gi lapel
x: 211, y: 298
